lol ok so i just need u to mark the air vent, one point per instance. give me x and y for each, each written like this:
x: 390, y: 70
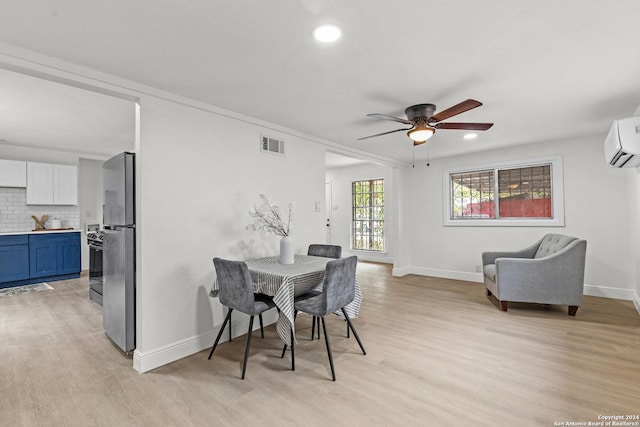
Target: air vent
x: 271, y: 145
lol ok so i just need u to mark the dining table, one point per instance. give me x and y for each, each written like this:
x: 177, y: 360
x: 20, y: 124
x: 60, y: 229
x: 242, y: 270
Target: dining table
x: 284, y: 282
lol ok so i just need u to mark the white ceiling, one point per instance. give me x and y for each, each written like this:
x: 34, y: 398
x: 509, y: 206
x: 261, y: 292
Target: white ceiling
x: 45, y: 114
x: 543, y: 69
x: 334, y: 161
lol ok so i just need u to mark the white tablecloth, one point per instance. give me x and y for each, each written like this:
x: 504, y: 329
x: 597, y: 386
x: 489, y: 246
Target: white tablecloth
x: 285, y: 282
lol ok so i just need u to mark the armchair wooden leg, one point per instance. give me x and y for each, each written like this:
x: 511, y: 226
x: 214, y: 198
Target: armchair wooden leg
x: 573, y: 309
x: 504, y: 305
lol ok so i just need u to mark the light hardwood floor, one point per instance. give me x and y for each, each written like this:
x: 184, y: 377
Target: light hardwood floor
x: 439, y: 353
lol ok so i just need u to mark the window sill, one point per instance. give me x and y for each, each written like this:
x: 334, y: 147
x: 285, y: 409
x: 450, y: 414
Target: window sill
x: 504, y: 222
x: 370, y: 252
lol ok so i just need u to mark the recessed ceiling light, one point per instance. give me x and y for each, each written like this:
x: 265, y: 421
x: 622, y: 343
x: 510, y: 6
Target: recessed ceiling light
x: 470, y: 136
x: 327, y: 33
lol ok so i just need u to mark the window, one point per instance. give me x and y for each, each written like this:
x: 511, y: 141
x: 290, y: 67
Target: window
x: 524, y: 193
x: 368, y: 215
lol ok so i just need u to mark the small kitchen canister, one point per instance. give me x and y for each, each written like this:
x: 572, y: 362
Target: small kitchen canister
x: 55, y: 223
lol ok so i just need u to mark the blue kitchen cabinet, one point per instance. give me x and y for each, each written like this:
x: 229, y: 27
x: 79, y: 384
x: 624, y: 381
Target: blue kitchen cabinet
x: 14, y: 260
x: 42, y: 255
x: 54, y: 256
x: 33, y: 258
x: 68, y: 255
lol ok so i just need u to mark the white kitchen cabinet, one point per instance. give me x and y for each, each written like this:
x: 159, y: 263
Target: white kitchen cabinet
x: 39, y: 183
x: 65, y: 185
x: 13, y: 173
x: 49, y: 184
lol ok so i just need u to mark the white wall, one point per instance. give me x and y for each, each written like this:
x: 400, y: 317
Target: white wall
x: 341, y: 179
x: 199, y: 174
x: 597, y: 208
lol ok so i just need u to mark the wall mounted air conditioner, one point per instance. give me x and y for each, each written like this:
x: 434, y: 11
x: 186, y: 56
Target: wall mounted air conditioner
x: 622, y: 146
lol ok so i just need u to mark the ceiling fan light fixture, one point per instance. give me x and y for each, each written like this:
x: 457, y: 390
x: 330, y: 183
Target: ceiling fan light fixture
x: 327, y: 33
x: 421, y: 133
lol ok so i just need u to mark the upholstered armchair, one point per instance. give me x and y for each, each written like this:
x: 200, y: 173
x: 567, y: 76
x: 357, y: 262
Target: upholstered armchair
x: 551, y: 271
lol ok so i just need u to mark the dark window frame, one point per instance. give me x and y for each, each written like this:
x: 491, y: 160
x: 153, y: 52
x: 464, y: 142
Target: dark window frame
x: 367, y: 215
x: 486, y: 193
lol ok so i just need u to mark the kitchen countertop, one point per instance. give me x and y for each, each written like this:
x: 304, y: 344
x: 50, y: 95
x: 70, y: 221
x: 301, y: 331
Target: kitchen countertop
x: 13, y: 233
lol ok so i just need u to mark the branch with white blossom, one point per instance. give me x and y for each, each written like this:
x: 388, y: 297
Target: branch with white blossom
x: 269, y: 218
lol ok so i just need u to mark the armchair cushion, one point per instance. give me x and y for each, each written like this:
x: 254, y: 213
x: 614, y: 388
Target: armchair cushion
x: 552, y: 243
x: 490, y: 271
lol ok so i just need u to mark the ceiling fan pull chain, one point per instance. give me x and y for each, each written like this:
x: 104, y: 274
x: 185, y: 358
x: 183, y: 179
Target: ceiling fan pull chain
x: 413, y: 157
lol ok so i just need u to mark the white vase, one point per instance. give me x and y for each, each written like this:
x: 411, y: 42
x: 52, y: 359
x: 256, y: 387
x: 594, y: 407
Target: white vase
x: 286, y: 250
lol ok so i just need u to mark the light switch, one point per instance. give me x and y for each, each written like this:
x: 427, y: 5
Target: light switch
x: 317, y: 206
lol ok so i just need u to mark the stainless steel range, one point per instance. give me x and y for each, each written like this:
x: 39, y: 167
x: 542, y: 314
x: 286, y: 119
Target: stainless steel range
x: 94, y: 239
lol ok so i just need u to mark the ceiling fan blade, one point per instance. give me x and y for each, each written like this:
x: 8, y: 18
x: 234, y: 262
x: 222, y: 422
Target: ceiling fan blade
x: 467, y: 105
x: 394, y: 119
x: 383, y: 133
x: 465, y: 126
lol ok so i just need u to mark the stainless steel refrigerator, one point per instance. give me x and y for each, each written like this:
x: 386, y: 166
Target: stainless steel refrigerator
x: 119, y: 251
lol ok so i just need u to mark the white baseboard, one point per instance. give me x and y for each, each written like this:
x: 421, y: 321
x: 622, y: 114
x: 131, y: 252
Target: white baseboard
x: 144, y: 362
x: 400, y: 271
x: 370, y: 256
x: 434, y: 272
x: 592, y: 290
x: 607, y: 292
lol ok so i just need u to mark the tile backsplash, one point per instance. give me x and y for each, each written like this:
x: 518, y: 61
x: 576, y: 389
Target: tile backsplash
x: 15, y: 214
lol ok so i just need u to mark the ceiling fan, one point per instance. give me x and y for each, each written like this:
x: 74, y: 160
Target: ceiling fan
x: 424, y: 122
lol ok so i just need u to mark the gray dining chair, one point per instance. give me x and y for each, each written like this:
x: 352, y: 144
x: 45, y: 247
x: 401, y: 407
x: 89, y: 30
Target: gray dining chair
x: 327, y: 251
x: 236, y: 292
x: 339, y: 289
